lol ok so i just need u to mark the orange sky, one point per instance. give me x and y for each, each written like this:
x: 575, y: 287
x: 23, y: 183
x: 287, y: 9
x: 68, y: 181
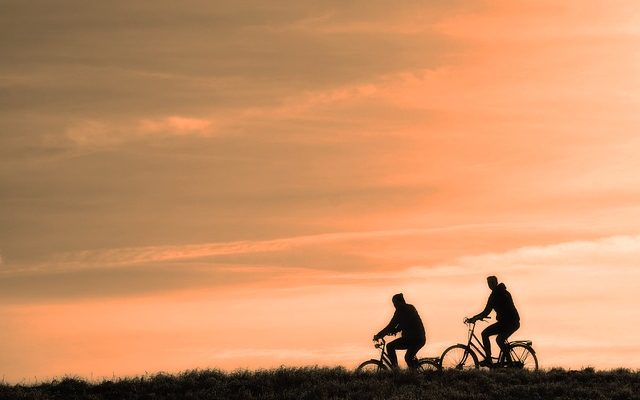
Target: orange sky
x: 231, y: 186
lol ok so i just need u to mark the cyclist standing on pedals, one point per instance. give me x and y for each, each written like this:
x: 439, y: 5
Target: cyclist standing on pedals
x: 508, y: 319
x: 405, y: 320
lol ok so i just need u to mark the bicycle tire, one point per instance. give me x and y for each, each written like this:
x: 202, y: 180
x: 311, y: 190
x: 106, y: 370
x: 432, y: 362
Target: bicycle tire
x: 371, y: 366
x: 522, y: 357
x: 459, y: 357
x: 426, y: 365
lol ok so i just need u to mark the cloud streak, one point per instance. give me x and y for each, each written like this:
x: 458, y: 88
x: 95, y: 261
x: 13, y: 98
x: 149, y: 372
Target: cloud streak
x: 157, y: 254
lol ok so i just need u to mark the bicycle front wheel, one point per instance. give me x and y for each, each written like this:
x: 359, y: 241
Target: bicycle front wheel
x: 523, y: 357
x: 425, y: 365
x: 459, y: 357
x: 371, y: 366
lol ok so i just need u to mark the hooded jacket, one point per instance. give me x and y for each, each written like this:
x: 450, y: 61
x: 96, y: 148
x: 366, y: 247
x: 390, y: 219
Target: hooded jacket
x: 501, y: 301
x: 405, y: 320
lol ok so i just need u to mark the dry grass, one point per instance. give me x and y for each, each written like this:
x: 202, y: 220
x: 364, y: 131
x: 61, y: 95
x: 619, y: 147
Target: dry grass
x: 338, y: 383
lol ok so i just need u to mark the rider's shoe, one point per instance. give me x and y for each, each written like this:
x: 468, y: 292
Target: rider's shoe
x: 486, y: 363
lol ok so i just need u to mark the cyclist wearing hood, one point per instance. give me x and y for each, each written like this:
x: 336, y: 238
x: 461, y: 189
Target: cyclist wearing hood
x: 405, y: 320
x: 507, y: 317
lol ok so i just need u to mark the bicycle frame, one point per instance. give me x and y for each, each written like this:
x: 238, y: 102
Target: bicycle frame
x: 473, y: 349
x: 384, y: 357
x: 476, y: 346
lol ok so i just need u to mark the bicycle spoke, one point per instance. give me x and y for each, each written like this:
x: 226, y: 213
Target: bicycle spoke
x: 426, y: 365
x: 460, y: 361
x: 524, y: 354
x: 457, y: 357
x: 523, y: 357
x: 515, y: 355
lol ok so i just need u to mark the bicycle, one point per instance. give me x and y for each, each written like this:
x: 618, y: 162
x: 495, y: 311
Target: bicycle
x: 465, y: 356
x: 384, y: 363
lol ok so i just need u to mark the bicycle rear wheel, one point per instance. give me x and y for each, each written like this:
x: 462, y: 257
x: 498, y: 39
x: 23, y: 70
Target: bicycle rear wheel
x: 371, y: 366
x: 459, y: 357
x: 522, y: 357
x: 426, y: 364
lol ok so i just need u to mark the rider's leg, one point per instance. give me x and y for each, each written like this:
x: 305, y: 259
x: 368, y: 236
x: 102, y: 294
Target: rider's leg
x: 502, y: 337
x: 486, y: 342
x: 412, y: 350
x: 397, y: 344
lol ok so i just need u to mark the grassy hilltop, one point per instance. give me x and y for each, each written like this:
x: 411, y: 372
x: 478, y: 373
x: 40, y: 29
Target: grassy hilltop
x: 338, y: 383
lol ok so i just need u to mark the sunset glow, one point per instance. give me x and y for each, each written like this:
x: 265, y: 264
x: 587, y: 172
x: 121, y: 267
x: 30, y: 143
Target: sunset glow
x: 246, y: 185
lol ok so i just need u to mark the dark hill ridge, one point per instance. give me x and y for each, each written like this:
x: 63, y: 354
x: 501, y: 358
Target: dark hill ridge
x: 338, y: 383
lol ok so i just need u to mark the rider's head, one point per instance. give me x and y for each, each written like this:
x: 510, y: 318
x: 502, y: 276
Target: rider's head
x: 492, y: 281
x: 398, y: 300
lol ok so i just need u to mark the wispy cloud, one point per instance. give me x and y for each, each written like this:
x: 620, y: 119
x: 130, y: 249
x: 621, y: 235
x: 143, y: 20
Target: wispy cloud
x: 580, y: 256
x: 93, y: 133
x: 177, y: 125
x: 155, y: 254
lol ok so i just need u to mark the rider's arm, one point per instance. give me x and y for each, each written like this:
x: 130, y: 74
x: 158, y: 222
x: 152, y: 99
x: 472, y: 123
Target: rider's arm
x: 487, y: 309
x: 391, y: 326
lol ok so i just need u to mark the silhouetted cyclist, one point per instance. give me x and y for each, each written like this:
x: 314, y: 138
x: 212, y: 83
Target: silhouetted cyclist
x: 407, y: 321
x: 508, y: 319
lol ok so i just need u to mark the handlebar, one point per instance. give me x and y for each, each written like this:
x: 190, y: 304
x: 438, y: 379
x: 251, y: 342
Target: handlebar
x: 467, y: 320
x: 379, y: 343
